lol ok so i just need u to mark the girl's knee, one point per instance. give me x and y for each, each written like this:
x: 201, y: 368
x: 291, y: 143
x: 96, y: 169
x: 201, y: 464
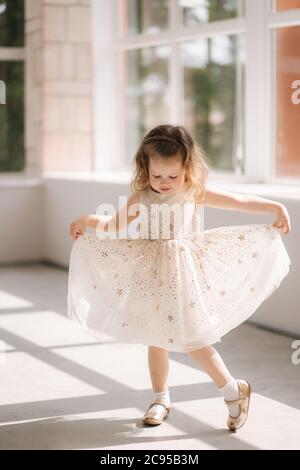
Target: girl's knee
x: 204, y: 350
x: 157, y: 349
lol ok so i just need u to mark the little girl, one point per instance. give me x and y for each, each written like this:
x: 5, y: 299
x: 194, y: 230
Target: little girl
x: 185, y: 291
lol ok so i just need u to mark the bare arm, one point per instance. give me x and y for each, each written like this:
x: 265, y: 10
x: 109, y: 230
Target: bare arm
x: 239, y: 202
x: 248, y: 203
x: 124, y: 216
x: 106, y: 223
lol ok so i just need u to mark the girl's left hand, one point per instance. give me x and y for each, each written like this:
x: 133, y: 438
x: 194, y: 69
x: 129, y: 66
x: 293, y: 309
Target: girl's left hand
x: 282, y: 220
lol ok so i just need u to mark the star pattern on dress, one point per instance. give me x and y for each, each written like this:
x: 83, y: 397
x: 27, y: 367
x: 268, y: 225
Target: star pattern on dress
x: 204, y: 258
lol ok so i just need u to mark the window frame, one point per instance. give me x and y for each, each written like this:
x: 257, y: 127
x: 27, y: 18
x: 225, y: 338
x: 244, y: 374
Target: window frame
x: 257, y: 25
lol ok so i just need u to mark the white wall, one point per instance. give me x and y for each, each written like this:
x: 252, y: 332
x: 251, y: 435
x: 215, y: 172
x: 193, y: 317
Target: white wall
x: 21, y: 208
x: 36, y: 220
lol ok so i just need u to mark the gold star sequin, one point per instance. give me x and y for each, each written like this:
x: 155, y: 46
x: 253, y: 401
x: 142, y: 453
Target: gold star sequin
x: 191, y: 304
x: 171, y: 317
x: 119, y: 292
x: 222, y: 292
x: 254, y: 254
x: 170, y: 340
x: 252, y: 289
x: 157, y: 307
x: 241, y: 237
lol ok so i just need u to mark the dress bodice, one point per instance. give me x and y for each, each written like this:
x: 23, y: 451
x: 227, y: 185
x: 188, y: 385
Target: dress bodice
x: 169, y: 216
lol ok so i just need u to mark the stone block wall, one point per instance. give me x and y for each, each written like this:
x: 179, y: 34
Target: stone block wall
x: 58, y: 86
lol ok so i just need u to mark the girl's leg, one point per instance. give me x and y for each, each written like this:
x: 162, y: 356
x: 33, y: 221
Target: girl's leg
x: 158, y: 361
x: 211, y: 362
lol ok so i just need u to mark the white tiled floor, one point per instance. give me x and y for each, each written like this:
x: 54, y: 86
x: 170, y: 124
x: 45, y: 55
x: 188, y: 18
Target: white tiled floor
x: 60, y: 389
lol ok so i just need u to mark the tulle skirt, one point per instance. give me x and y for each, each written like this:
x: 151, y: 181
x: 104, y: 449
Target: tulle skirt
x: 175, y: 294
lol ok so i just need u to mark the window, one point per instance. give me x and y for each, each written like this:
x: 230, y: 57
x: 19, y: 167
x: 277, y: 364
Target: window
x: 144, y: 17
x: 286, y: 59
x: 227, y: 69
x: 203, y: 11
x: 190, y: 75
x: 213, y: 78
x: 280, y: 5
x: 12, y: 79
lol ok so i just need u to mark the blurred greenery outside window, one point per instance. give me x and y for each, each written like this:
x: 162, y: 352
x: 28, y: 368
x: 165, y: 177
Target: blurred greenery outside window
x: 12, y: 154
x: 211, y: 71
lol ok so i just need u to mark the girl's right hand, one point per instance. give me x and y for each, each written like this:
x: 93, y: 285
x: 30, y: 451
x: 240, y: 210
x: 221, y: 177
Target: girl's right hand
x: 78, y: 227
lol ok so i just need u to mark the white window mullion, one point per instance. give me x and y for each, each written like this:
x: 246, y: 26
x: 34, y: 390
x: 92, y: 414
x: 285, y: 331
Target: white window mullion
x: 257, y: 102
x: 105, y: 102
x: 216, y: 28
x: 175, y: 69
x: 284, y: 18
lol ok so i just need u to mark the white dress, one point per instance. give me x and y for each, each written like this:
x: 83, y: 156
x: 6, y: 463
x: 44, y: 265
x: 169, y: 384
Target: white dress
x: 179, y: 293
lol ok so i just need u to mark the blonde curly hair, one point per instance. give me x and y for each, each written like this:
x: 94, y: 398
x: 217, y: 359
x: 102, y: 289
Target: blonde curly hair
x: 167, y: 141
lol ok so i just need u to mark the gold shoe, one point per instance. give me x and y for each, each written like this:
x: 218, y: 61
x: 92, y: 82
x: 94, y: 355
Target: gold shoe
x: 156, y: 417
x: 235, y: 423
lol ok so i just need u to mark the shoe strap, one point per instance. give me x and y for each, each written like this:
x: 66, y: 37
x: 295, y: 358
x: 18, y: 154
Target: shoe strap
x: 239, y: 401
x: 158, y: 402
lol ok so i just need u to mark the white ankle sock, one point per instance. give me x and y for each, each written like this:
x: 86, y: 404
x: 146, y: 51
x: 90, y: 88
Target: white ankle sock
x: 230, y: 391
x: 164, y: 397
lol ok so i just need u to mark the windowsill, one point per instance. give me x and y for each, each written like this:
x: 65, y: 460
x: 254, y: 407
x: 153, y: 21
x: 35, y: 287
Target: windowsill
x: 283, y: 190
x: 19, y: 180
